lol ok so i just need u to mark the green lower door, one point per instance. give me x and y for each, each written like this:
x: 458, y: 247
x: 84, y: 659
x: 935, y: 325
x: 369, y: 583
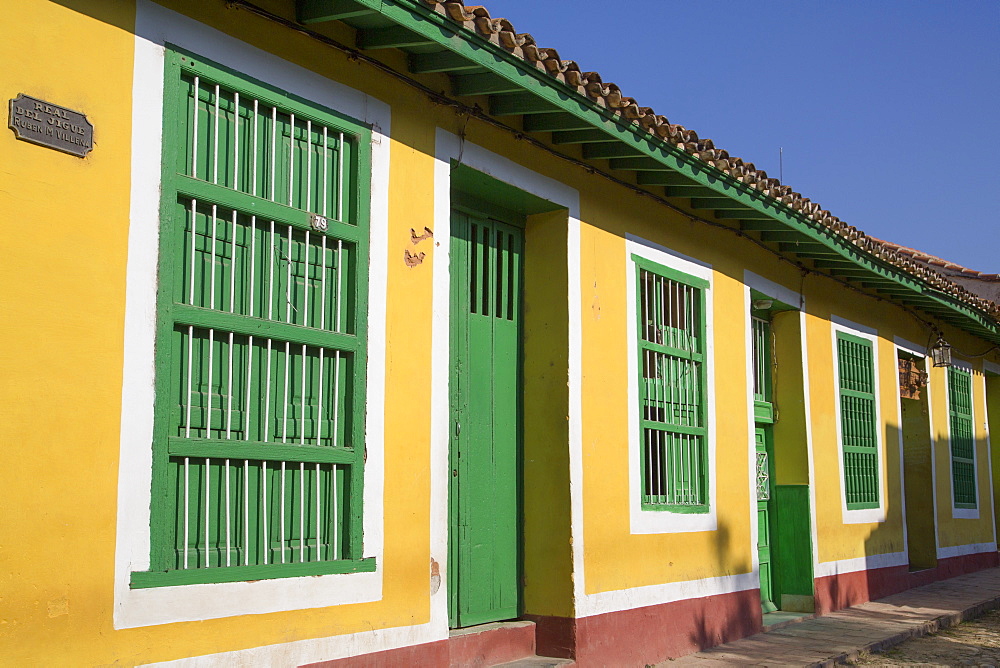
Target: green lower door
x: 764, y: 496
x: 484, y: 494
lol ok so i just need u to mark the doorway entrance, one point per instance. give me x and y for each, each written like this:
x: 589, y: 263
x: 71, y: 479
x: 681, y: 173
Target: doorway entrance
x: 486, y: 414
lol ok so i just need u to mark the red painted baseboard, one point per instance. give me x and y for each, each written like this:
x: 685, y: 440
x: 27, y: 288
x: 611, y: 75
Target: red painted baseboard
x: 835, y: 592
x: 650, y: 634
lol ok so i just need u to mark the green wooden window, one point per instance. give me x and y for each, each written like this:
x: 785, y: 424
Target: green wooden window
x: 858, y: 427
x: 760, y: 349
x: 963, y: 440
x: 672, y: 402
x: 260, y: 355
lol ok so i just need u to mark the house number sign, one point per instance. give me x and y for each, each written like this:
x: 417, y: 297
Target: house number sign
x: 47, y: 124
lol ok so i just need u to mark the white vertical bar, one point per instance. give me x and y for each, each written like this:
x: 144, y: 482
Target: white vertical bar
x: 340, y: 261
x: 302, y: 512
x: 246, y: 416
x: 194, y: 134
x: 267, y: 400
x: 211, y: 364
x: 302, y: 402
x: 308, y: 175
x: 340, y: 176
x: 284, y: 414
x: 263, y: 496
x: 187, y: 504
x: 232, y: 268
x: 256, y: 148
x: 211, y: 295
x: 253, y: 263
x: 270, y: 273
x: 208, y: 514
x: 281, y: 542
x: 194, y: 235
x: 236, y: 141
x: 229, y: 385
x: 246, y: 512
x: 319, y: 402
x: 336, y: 353
x: 229, y: 500
x: 322, y: 283
x: 288, y: 285
x: 274, y: 148
x: 326, y: 170
x: 335, y: 534
x: 187, y: 428
x: 215, y: 139
x: 307, y: 271
x: 291, y: 157
x: 319, y: 526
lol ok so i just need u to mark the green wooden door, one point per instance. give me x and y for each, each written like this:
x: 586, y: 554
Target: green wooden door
x: 764, y: 500
x: 485, y: 381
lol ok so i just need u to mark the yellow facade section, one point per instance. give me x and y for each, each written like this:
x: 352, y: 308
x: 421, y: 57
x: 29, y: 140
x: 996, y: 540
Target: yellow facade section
x: 64, y: 301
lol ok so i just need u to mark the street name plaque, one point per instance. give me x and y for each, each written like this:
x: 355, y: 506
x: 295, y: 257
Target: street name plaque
x: 47, y: 124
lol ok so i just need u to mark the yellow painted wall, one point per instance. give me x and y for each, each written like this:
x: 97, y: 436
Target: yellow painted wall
x: 62, y: 287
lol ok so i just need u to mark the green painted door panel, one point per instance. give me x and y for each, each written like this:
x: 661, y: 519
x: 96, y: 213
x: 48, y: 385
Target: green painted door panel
x: 764, y: 517
x: 485, y: 394
x: 794, y: 540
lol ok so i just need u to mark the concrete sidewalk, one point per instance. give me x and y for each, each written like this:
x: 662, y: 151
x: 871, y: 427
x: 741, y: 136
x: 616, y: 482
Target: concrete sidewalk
x: 878, y: 625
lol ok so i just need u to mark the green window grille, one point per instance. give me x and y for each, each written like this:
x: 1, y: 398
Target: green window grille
x: 855, y: 361
x: 760, y: 352
x: 260, y: 362
x: 671, y: 345
x: 963, y: 441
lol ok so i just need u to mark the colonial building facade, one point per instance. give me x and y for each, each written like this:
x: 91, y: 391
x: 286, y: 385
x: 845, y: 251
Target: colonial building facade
x: 363, y: 324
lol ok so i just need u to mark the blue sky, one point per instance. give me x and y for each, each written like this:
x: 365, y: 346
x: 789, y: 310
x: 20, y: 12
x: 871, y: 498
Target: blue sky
x: 888, y: 111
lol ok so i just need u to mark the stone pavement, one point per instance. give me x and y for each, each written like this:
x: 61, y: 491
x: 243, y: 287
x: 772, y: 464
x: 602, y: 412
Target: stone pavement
x: 869, y: 627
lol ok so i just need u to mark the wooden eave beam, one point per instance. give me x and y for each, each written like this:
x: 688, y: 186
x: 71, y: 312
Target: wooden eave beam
x: 396, y: 37
x: 666, y: 178
x: 516, y: 104
x: 465, y: 85
x: 320, y: 11
x: 637, y: 164
x: 607, y: 151
x: 582, y: 137
x: 782, y: 235
x: 441, y: 61
x: 555, y: 122
x: 718, y: 203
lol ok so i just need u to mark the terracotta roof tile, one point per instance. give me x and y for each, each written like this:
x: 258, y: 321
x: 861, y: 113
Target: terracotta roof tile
x: 500, y: 31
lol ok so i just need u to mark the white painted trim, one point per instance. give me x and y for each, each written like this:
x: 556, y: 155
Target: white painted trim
x: 991, y: 367
x: 751, y: 425
x: 963, y: 513
x: 868, y: 515
x: 658, y: 521
x: 965, y: 550
x: 671, y: 592
x: 870, y: 562
x: 811, y: 457
x: 773, y: 290
x: 156, y: 26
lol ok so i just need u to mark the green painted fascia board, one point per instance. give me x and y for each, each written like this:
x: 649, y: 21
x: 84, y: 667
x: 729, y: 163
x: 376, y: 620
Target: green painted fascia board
x: 469, y: 44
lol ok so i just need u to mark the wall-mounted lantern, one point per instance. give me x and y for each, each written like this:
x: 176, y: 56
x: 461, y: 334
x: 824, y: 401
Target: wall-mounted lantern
x: 941, y: 352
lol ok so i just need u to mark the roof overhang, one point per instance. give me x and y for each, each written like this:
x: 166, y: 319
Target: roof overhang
x: 476, y: 66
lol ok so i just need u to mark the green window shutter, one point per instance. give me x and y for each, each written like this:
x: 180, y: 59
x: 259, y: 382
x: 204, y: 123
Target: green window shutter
x: 963, y: 441
x: 858, y: 427
x: 672, y: 404
x: 259, y: 431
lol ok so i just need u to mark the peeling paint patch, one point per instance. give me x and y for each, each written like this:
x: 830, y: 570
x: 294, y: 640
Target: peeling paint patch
x: 435, y: 576
x: 417, y: 238
x: 412, y: 260
x: 59, y: 607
